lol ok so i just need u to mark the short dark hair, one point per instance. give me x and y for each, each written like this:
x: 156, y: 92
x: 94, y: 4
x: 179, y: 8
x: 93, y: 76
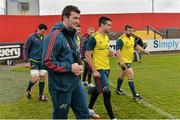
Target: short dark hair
x: 128, y: 27
x: 42, y: 26
x: 68, y: 9
x: 103, y: 20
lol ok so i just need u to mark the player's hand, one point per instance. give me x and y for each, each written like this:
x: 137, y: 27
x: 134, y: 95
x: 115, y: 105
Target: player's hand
x: 76, y: 69
x: 96, y: 74
x: 146, y: 52
x: 27, y: 65
x: 122, y: 64
x: 112, y: 53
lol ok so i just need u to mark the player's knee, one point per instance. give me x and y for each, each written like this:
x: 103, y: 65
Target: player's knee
x: 130, y: 76
x: 107, y: 94
x: 35, y: 79
x: 106, y: 89
x: 42, y: 78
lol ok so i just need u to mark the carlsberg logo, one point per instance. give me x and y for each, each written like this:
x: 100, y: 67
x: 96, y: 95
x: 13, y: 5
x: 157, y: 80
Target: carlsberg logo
x: 9, y: 52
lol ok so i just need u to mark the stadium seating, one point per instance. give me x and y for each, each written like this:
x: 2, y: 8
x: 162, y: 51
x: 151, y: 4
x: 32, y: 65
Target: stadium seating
x: 146, y: 36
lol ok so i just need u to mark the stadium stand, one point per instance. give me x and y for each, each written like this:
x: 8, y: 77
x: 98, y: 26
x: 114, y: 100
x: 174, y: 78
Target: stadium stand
x: 171, y: 32
x: 149, y: 33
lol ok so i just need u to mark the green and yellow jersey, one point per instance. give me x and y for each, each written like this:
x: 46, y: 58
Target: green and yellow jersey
x: 99, y: 44
x: 126, y: 45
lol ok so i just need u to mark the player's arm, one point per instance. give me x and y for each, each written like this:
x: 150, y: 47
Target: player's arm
x: 51, y: 55
x: 26, y: 51
x: 119, y: 45
x: 88, y: 55
x: 137, y: 47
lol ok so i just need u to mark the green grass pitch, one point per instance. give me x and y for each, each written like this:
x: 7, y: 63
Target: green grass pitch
x: 157, y: 79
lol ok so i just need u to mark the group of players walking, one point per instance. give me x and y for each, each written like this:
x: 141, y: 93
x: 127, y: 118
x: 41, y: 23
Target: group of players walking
x: 61, y: 53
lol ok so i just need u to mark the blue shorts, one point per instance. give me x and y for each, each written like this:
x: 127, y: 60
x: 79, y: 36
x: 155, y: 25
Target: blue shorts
x: 35, y: 64
x: 102, y: 83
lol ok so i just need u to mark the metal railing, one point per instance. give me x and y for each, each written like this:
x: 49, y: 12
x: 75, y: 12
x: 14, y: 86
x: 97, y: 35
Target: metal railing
x: 155, y: 32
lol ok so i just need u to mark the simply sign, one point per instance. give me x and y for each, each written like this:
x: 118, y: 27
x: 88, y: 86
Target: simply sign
x: 10, y: 52
x: 163, y: 45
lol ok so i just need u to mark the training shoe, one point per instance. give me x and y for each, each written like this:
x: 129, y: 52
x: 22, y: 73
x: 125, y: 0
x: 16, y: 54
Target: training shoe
x: 91, y: 85
x: 93, y: 115
x: 85, y: 83
x: 137, y: 97
x: 28, y: 94
x: 43, y: 98
x: 120, y: 92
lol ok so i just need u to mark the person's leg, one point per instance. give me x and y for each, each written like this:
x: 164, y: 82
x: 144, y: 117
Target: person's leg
x: 79, y: 103
x: 42, y: 84
x: 130, y: 74
x: 140, y: 56
x: 61, y: 102
x: 89, y: 75
x: 94, y: 95
x: 93, y: 98
x: 84, y: 74
x: 136, y: 55
x: 32, y: 82
x: 120, y: 80
x: 106, y: 92
x: 35, y: 78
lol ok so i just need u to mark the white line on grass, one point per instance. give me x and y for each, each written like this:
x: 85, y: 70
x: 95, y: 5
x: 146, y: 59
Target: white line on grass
x: 145, y: 103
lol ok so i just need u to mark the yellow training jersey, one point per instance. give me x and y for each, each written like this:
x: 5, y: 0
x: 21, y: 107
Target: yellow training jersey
x: 101, y: 51
x: 127, y: 48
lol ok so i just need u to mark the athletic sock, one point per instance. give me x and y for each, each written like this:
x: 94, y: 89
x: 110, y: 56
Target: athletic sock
x: 41, y: 88
x: 119, y: 83
x: 132, y: 87
x: 30, y: 85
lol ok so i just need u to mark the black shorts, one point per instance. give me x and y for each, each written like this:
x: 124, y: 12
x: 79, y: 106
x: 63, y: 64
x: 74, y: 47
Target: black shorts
x: 128, y: 65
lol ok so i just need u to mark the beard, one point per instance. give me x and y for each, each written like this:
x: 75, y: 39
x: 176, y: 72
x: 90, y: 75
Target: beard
x: 106, y: 31
x: 128, y: 35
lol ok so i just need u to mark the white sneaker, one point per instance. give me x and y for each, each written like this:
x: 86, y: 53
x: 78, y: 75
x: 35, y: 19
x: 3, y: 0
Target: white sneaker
x: 91, y: 85
x: 93, y: 115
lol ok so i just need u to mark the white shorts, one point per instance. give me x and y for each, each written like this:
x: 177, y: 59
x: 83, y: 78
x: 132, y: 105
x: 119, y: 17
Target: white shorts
x: 36, y: 72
